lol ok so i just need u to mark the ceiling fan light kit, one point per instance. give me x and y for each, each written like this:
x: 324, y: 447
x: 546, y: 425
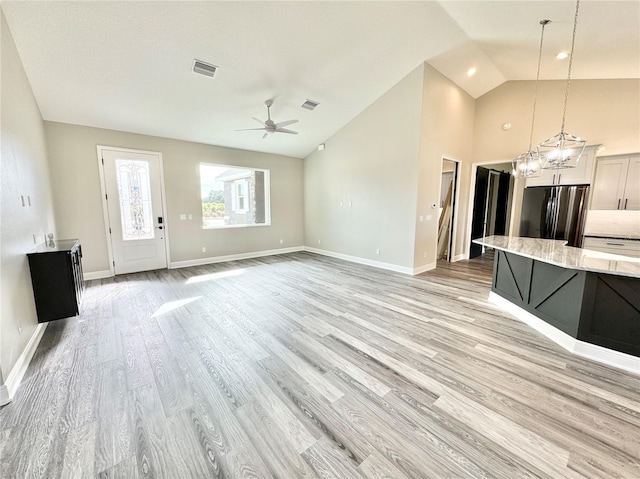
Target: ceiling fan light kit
x: 269, y: 126
x: 564, y: 150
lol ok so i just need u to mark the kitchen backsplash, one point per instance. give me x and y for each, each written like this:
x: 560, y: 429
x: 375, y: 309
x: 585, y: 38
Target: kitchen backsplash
x: 613, y: 223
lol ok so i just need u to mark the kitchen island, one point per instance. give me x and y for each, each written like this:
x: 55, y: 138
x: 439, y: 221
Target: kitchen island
x: 586, y: 301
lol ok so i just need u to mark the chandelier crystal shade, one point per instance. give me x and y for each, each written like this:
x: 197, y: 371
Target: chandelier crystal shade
x: 529, y: 164
x: 564, y: 150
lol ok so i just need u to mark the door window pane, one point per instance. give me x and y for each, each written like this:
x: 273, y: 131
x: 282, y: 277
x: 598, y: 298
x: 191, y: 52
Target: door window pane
x: 134, y: 189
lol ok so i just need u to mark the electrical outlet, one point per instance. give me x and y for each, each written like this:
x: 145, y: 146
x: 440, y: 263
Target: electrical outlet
x: 183, y: 217
x: 378, y: 251
x: 190, y: 216
x: 424, y: 255
x: 204, y: 249
x: 281, y: 241
x: 421, y: 217
x: 318, y: 241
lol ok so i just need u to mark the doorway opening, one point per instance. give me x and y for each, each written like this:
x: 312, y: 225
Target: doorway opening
x: 492, y: 196
x: 447, y: 210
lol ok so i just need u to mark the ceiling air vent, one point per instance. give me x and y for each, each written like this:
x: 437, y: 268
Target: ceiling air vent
x: 204, y: 68
x: 310, y: 104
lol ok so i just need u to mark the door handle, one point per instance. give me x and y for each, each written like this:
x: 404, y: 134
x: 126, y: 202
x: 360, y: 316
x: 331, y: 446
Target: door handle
x: 625, y: 203
x: 618, y: 207
x: 159, y: 227
x: 615, y: 244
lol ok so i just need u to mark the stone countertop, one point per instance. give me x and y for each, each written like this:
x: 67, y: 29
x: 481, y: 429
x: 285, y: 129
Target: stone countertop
x: 557, y: 253
x: 58, y: 246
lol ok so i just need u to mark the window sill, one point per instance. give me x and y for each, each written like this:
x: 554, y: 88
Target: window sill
x: 235, y: 226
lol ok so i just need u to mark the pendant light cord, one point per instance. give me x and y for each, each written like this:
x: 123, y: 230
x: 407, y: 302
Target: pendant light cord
x: 573, y: 42
x: 535, y: 95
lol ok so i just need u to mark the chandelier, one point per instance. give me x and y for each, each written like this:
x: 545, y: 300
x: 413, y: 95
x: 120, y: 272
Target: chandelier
x: 564, y: 149
x: 529, y: 164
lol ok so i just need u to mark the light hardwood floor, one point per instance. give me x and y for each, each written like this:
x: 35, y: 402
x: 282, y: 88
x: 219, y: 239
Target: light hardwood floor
x: 301, y: 366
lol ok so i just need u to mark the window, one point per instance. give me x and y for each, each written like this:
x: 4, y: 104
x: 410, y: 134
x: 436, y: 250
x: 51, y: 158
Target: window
x: 234, y: 196
x: 239, y: 198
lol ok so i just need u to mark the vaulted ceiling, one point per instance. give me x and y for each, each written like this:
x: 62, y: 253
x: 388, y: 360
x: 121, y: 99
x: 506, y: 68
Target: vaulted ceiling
x: 127, y: 65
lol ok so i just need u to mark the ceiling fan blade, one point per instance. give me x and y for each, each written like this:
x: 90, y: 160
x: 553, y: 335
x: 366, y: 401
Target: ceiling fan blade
x: 285, y: 123
x: 259, y: 121
x: 251, y: 129
x: 265, y: 135
x: 284, y: 130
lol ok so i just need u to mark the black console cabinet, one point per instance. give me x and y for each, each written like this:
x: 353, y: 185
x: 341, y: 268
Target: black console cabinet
x: 56, y: 275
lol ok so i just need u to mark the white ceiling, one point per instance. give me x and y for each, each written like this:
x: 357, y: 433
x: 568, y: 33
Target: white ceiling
x: 127, y: 65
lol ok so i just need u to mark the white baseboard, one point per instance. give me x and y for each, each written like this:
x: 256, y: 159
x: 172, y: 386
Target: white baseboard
x: 21, y: 365
x: 233, y: 257
x: 608, y: 356
x: 460, y: 257
x: 587, y: 350
x: 359, y: 260
x: 97, y: 275
x: 424, y: 267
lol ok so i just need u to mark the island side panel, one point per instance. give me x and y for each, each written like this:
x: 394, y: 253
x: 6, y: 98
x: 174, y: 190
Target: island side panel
x: 512, y: 277
x: 611, y: 313
x: 549, y: 292
x: 556, y: 296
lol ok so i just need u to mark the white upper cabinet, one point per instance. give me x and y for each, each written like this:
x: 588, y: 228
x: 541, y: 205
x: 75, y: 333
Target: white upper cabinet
x: 617, y: 183
x: 580, y: 175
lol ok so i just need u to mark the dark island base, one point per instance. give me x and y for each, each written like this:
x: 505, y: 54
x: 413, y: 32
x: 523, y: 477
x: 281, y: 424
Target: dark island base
x: 595, y: 308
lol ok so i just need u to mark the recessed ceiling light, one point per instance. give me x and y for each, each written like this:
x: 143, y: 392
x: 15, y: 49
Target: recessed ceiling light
x: 562, y: 55
x: 321, y: 147
x: 471, y: 72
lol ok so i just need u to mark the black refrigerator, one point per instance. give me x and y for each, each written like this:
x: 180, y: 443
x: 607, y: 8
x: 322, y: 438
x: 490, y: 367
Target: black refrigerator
x: 554, y: 212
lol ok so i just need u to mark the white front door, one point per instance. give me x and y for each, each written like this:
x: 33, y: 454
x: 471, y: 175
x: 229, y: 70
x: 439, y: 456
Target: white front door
x: 133, y: 185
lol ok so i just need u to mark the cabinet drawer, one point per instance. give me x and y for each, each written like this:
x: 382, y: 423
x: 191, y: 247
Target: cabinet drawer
x: 613, y: 246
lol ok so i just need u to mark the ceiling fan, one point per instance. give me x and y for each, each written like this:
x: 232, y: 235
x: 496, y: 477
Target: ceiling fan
x: 269, y: 126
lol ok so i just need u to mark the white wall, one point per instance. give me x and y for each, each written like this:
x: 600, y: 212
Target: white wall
x: 78, y: 204
x: 446, y: 132
x: 604, y: 112
x: 24, y: 172
x: 371, y: 167
x: 387, y: 162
